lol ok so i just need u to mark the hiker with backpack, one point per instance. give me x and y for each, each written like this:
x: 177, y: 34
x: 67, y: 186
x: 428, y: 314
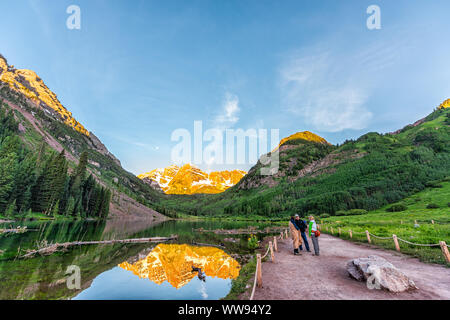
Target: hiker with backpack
x: 295, y: 234
x: 302, y: 226
x: 314, y: 235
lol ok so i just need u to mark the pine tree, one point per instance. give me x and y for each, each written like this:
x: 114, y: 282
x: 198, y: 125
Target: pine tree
x: 58, y: 178
x: 24, y: 178
x: 11, y: 209
x: 55, y: 209
x: 70, y: 207
x: 82, y: 166
x: 106, y: 198
x: 41, y: 153
x: 6, y: 180
x: 43, y: 188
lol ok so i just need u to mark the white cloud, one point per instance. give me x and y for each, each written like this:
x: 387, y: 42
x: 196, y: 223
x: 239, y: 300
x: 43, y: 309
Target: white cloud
x: 229, y: 114
x: 325, y: 93
x: 203, y: 291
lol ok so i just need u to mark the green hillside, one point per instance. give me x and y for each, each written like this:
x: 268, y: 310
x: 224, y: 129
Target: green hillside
x: 369, y: 173
x: 430, y: 208
x: 28, y: 132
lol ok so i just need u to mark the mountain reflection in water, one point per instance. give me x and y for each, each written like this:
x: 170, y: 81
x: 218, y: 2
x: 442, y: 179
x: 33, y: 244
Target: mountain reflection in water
x: 174, y: 263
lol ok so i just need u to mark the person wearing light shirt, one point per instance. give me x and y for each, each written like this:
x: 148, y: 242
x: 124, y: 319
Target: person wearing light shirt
x: 312, y: 234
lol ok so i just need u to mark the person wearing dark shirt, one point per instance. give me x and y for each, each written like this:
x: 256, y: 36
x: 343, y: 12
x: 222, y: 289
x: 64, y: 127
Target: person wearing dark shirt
x: 295, y: 234
x: 302, y: 226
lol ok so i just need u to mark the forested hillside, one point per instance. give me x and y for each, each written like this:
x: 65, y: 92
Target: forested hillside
x: 42, y: 123
x: 40, y: 181
x: 375, y: 170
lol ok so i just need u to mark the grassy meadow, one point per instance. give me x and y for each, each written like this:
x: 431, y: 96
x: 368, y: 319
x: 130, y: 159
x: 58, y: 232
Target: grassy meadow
x: 384, y: 224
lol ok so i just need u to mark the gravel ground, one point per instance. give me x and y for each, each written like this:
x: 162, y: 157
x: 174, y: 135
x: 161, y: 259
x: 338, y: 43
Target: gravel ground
x: 307, y: 277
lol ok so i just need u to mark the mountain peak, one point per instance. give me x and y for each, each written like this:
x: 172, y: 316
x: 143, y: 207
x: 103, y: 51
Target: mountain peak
x: 188, y: 179
x: 445, y: 104
x: 31, y: 85
x: 304, y: 135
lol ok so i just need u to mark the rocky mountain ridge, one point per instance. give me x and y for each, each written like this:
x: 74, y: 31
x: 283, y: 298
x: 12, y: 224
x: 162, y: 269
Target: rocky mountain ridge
x: 189, y: 179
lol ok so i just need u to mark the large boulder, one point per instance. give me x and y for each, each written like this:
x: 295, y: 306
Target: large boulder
x: 379, y: 273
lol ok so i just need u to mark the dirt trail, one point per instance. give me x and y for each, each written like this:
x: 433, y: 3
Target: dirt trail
x: 325, y: 277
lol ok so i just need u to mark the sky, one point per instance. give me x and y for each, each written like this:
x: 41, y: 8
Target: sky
x: 137, y: 71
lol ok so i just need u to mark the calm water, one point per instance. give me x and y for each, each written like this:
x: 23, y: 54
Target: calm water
x: 122, y: 271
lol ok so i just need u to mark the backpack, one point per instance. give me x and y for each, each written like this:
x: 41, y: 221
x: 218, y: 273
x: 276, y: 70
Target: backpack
x: 303, y: 226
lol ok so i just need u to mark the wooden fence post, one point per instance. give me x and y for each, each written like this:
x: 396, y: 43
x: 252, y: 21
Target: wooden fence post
x: 286, y: 233
x: 432, y: 221
x: 401, y: 221
x: 275, y: 244
x: 368, y: 236
x: 397, y: 246
x: 339, y: 230
x: 332, y: 230
x: 272, y: 256
x: 258, y: 271
x: 326, y: 228
x: 445, y: 251
x: 350, y: 231
x: 415, y: 221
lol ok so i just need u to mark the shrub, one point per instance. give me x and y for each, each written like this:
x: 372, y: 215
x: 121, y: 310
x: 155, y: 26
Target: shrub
x: 326, y: 215
x: 433, y: 184
x: 352, y: 212
x: 432, y: 206
x: 356, y: 212
x: 397, y: 208
x: 252, y: 242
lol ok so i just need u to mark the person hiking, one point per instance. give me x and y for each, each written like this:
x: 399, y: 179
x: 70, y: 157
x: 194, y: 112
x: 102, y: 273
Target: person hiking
x: 312, y: 234
x: 295, y: 234
x: 302, y: 226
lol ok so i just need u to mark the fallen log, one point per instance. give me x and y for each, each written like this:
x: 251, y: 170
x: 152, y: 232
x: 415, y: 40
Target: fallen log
x: 15, y: 230
x: 241, y: 231
x: 59, y: 246
x: 207, y: 245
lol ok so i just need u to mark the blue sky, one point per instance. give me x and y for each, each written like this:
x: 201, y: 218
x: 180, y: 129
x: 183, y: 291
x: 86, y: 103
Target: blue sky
x: 138, y: 70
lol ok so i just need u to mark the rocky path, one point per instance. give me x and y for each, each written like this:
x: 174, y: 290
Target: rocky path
x: 308, y: 277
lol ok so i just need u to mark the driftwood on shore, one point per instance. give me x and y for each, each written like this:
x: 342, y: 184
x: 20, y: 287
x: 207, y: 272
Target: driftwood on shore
x: 14, y: 230
x: 207, y: 245
x: 62, y: 246
x: 250, y: 230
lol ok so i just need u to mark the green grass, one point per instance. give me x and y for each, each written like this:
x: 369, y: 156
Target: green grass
x: 385, y: 224
x: 36, y: 216
x: 239, y: 285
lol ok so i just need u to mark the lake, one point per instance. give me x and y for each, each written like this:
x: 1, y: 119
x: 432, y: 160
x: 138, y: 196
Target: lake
x: 197, y: 265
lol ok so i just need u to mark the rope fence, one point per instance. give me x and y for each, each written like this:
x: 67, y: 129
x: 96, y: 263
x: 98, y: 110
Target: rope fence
x: 442, y: 244
x: 420, y: 244
x: 381, y: 238
x: 273, y: 247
